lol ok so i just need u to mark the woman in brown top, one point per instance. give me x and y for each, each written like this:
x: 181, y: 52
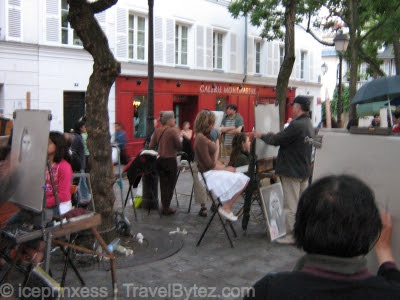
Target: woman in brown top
x: 221, y: 180
x: 167, y: 140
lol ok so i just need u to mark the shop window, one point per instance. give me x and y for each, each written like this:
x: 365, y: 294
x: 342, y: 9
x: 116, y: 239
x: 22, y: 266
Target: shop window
x: 139, y: 116
x: 220, y: 104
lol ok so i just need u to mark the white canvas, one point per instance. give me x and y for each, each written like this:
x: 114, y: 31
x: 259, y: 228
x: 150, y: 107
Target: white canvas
x: 219, y: 115
x: 267, y: 120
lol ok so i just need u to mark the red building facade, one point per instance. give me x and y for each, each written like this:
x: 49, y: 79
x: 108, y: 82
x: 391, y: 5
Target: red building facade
x: 186, y: 98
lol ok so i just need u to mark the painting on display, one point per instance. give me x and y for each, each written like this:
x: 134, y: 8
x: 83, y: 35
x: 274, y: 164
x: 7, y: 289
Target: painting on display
x: 272, y: 197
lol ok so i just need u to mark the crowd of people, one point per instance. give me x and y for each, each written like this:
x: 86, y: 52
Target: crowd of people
x: 326, y: 219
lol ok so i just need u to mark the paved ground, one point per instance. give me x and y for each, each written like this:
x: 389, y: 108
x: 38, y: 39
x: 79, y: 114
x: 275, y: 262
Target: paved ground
x: 213, y: 270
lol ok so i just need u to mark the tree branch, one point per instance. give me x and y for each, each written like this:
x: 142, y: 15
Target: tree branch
x: 102, y: 5
x: 314, y: 36
x: 371, y: 62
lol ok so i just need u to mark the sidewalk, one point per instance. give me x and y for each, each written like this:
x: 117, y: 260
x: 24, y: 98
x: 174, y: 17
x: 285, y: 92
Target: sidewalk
x: 213, y: 270
x: 214, y: 267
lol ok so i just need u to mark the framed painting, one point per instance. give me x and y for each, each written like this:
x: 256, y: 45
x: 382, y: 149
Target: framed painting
x: 272, y: 197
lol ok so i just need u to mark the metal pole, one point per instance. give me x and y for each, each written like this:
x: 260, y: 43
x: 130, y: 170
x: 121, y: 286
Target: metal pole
x: 339, y: 102
x: 150, y: 70
x: 150, y: 181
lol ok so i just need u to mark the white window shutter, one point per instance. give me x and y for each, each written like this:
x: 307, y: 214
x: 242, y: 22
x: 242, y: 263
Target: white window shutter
x: 233, y: 57
x: 297, y: 64
x: 276, y: 59
x: 250, y: 55
x: 310, y: 68
x: 14, y: 20
x: 122, y: 33
x: 158, y: 40
x: 110, y: 24
x: 270, y: 59
x: 53, y: 21
x: 200, y: 47
x: 170, y: 42
x: 102, y: 20
x: 209, y: 48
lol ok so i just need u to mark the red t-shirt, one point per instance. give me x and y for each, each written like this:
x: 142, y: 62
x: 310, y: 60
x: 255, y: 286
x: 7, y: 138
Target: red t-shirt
x: 62, y: 174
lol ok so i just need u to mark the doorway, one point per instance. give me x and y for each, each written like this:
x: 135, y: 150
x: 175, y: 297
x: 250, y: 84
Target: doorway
x: 185, y: 109
x: 74, y: 108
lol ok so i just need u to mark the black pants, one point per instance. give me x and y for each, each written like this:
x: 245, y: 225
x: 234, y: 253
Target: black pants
x: 167, y: 170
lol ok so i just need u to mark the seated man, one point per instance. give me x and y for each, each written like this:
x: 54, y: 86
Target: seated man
x: 337, y: 223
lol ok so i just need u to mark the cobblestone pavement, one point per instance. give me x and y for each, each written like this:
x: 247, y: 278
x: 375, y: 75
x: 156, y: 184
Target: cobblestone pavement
x: 213, y: 270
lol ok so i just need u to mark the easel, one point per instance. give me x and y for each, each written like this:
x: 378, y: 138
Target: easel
x: 29, y: 133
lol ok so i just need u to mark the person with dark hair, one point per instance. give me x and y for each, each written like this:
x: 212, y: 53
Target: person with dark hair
x: 293, y: 163
x: 232, y: 123
x: 78, y: 149
x: 221, y: 180
x: 57, y: 154
x: 240, y: 150
x: 376, y: 121
x: 396, y: 121
x: 167, y: 141
x: 337, y: 224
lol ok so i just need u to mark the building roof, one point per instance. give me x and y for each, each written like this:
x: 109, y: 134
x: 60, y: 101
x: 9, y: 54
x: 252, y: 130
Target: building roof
x: 387, y: 53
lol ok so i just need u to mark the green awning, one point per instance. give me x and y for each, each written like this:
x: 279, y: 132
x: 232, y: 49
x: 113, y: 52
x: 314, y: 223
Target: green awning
x: 369, y: 109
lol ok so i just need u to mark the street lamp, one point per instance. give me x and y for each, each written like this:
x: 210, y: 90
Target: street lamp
x: 341, y: 42
x: 324, y: 68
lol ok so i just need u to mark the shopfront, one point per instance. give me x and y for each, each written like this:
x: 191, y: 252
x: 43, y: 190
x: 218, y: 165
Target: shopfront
x: 186, y: 98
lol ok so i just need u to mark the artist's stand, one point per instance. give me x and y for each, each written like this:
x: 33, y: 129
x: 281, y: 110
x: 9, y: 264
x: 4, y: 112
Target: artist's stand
x: 52, y: 235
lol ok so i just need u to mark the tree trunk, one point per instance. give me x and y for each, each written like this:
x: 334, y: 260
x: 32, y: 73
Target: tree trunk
x: 105, y: 71
x: 396, y: 49
x: 287, y: 65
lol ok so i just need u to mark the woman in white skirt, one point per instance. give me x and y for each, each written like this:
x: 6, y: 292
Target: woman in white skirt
x: 221, y: 180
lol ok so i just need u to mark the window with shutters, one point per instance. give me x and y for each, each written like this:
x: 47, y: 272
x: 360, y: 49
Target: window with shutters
x: 181, y: 44
x: 217, y: 49
x: 68, y: 34
x: 136, y: 37
x: 257, y: 47
x: 14, y: 20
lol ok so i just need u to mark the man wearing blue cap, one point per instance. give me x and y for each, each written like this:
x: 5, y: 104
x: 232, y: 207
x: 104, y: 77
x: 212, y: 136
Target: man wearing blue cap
x: 293, y: 163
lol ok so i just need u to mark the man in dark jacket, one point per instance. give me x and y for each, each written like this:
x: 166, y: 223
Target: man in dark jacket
x: 293, y: 163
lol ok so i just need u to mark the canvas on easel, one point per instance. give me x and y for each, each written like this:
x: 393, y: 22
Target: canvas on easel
x: 266, y: 120
x: 28, y: 157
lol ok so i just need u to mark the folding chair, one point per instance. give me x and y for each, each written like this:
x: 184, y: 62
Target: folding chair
x: 217, y: 202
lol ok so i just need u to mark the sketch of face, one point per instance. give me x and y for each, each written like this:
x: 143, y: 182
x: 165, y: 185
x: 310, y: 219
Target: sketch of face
x: 26, y: 144
x: 274, y: 203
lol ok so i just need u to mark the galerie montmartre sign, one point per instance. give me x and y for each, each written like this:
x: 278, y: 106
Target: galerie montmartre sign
x: 218, y: 89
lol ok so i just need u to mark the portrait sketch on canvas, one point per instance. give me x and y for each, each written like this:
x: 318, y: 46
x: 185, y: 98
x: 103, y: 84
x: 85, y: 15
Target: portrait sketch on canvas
x: 272, y: 196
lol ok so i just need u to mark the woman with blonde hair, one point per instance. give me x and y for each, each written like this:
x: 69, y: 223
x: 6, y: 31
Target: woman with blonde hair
x: 221, y: 180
